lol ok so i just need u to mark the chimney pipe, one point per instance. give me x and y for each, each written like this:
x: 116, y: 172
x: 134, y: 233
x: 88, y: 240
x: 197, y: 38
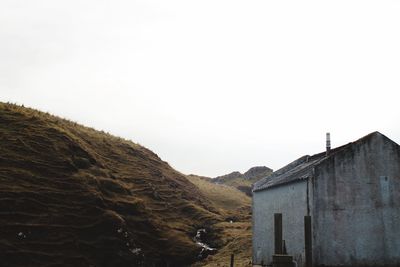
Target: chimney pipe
x: 328, y: 143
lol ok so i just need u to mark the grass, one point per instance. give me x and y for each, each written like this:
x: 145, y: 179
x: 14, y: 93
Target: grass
x: 224, y: 197
x: 74, y: 196
x: 83, y: 197
x: 236, y: 239
x: 234, y: 234
x: 244, y: 182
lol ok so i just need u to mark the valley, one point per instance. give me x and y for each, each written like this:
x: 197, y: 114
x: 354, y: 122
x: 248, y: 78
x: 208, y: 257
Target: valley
x: 74, y: 196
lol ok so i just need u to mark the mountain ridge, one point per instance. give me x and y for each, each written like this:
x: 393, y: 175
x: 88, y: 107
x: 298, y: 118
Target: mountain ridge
x: 243, y: 182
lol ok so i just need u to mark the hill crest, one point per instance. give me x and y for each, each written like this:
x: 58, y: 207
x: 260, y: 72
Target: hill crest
x: 244, y: 181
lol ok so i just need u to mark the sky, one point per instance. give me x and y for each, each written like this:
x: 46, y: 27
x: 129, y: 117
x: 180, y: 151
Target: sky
x: 210, y: 86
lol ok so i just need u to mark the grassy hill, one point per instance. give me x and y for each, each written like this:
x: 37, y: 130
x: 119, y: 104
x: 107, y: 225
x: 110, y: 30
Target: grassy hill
x: 243, y: 182
x: 229, y: 200
x: 73, y: 196
x: 234, y: 234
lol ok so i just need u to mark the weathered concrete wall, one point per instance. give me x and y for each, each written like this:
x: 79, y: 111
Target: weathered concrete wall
x: 356, y: 215
x: 291, y: 201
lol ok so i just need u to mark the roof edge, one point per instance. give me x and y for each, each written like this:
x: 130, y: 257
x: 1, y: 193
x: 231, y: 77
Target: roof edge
x: 306, y: 158
x: 300, y: 179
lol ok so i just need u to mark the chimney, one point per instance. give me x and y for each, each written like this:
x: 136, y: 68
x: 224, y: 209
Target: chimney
x: 328, y: 143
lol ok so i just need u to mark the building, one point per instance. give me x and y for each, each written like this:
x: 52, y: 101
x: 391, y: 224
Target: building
x: 352, y: 194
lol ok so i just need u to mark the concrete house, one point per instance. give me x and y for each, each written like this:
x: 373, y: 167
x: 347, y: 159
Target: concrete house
x: 352, y: 194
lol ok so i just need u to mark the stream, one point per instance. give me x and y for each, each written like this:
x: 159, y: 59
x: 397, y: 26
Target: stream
x: 199, y: 239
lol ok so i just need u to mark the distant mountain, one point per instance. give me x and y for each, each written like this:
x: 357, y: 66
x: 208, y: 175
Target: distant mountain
x: 256, y: 173
x: 74, y: 196
x: 243, y: 182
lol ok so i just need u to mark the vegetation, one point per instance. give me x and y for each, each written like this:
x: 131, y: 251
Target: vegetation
x: 244, y: 182
x: 236, y: 239
x: 74, y: 196
x: 228, y: 199
x: 235, y: 232
x: 237, y: 182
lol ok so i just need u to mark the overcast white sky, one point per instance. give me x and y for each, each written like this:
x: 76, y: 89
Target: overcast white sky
x: 210, y: 86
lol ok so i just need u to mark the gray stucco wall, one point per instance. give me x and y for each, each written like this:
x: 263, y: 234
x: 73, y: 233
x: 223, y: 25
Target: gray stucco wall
x: 291, y: 201
x: 356, y: 215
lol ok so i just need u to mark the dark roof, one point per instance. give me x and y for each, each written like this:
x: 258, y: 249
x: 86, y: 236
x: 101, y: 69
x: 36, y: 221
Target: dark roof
x: 301, y: 168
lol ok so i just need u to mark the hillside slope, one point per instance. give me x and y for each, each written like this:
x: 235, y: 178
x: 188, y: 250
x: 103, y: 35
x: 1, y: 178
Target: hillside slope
x: 243, y: 182
x: 73, y: 196
x: 230, y: 201
x: 235, y: 233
